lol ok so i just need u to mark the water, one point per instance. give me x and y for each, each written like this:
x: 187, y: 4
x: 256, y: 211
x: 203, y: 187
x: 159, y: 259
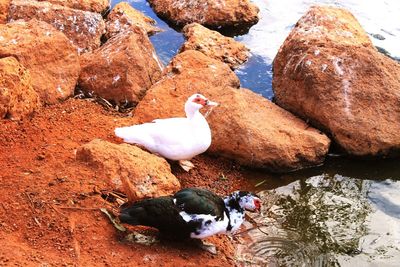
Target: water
x: 380, y: 19
x: 344, y: 213
x: 277, y: 18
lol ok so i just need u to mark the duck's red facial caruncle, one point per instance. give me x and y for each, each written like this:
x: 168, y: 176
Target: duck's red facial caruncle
x: 257, y: 204
x: 249, y: 201
x: 200, y: 100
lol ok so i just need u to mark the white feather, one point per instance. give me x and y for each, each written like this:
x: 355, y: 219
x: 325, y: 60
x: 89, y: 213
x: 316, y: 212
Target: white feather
x: 206, y: 229
x: 173, y: 138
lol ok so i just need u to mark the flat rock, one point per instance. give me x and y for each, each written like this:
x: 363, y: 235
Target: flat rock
x: 214, y: 45
x: 328, y: 72
x: 221, y: 13
x: 122, y: 69
x: 98, y: 6
x: 83, y: 28
x: 245, y: 127
x: 49, y: 56
x: 123, y: 16
x: 17, y: 97
x: 129, y: 169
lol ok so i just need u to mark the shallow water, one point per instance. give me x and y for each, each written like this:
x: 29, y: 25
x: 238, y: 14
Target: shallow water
x: 380, y: 19
x: 344, y: 213
x: 277, y: 18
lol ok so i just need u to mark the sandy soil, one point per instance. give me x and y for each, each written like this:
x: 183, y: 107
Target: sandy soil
x: 49, y: 202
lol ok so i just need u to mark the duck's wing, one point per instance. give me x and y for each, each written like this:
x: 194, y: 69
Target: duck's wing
x: 161, y: 131
x: 154, y: 212
x: 160, y: 213
x: 199, y: 201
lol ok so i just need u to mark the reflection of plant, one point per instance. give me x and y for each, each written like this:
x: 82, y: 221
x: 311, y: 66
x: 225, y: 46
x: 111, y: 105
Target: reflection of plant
x: 328, y: 212
x: 311, y: 221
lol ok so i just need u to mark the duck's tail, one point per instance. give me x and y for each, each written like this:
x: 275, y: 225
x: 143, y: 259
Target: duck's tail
x: 122, y: 132
x: 125, y: 217
x: 134, y: 134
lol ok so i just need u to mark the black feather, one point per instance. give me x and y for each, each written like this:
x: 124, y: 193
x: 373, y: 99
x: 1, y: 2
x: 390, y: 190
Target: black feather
x: 163, y: 212
x: 200, y: 201
x: 160, y: 213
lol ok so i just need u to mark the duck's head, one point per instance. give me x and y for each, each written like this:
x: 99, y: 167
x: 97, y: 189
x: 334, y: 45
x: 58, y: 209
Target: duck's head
x: 196, y: 102
x: 243, y: 200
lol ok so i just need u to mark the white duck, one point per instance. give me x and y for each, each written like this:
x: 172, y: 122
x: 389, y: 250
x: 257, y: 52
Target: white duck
x: 175, y: 138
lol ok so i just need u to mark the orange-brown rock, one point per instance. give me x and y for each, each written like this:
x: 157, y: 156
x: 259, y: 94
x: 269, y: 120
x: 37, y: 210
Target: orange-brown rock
x: 222, y: 13
x: 17, y: 97
x: 245, y: 127
x: 83, y: 28
x: 328, y: 71
x: 4, y: 4
x: 189, y: 72
x: 98, y: 6
x: 122, y: 69
x: 123, y: 16
x: 129, y: 169
x: 214, y: 45
x: 49, y: 56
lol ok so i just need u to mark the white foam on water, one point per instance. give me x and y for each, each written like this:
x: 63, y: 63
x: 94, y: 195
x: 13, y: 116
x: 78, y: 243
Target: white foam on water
x: 278, y: 17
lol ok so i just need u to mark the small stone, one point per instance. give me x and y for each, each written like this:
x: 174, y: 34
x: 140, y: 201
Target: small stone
x: 50, y: 58
x: 122, y: 69
x: 124, y: 16
x: 98, y: 6
x: 17, y: 97
x: 211, y: 13
x: 214, y: 45
x: 83, y: 28
x: 141, y: 174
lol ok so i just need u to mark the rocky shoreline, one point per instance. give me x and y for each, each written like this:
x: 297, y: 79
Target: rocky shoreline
x: 331, y: 85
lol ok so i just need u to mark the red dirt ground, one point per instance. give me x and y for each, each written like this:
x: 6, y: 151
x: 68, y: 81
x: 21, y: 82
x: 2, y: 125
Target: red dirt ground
x: 49, y: 202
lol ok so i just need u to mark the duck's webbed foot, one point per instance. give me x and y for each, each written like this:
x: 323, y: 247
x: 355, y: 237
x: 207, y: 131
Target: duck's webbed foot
x: 186, y: 165
x: 209, y: 247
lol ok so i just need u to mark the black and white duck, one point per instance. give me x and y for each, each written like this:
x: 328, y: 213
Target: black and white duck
x: 177, y: 139
x: 192, y: 213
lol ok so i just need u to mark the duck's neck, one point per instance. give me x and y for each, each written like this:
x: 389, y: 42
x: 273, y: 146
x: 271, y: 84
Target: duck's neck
x: 192, y: 113
x: 235, y: 213
x: 232, y: 203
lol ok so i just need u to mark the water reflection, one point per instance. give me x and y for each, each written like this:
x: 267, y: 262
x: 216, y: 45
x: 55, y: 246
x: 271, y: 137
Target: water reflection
x: 327, y: 220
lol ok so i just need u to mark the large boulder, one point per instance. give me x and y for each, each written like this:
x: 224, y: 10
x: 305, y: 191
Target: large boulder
x: 123, y: 16
x: 189, y: 72
x: 4, y: 4
x: 49, y: 56
x: 245, y: 127
x: 328, y: 72
x: 83, y: 28
x: 222, y: 13
x: 122, y: 69
x: 214, y: 45
x: 17, y: 97
x: 129, y: 169
x: 98, y: 6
